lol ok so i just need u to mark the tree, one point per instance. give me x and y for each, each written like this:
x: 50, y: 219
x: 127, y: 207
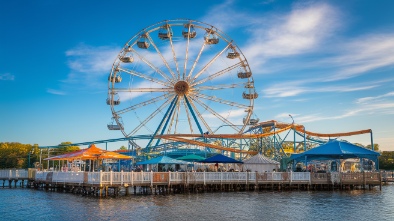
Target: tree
x: 358, y: 144
x: 375, y: 147
x: 64, y: 147
x: 386, y: 160
x: 16, y: 155
x: 123, y: 148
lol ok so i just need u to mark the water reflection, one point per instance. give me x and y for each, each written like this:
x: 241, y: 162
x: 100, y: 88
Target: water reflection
x: 21, y: 204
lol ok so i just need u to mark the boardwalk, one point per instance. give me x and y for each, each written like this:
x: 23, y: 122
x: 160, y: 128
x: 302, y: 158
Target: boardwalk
x: 98, y: 182
x: 12, y: 176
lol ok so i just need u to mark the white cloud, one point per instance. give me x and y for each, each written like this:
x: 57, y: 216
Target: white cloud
x: 294, y: 88
x: 366, y: 53
x: 378, y: 108
x: 227, y: 16
x: 87, y: 63
x: 379, y: 97
x: 301, y: 31
x: 93, y: 60
x: 7, y: 77
x: 56, y: 92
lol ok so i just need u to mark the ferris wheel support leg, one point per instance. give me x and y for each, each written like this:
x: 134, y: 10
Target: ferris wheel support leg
x: 168, y: 119
x: 193, y: 114
x: 161, y: 123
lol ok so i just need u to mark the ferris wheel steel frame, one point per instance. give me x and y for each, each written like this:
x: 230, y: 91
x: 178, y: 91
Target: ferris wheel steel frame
x: 179, y: 82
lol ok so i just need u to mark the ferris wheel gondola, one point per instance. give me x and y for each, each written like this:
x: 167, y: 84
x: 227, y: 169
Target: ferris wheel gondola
x: 178, y: 77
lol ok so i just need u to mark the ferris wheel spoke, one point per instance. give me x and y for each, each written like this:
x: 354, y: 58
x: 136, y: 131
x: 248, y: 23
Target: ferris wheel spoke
x: 217, y: 74
x: 153, y: 66
x: 134, y: 73
x: 143, y: 89
x: 196, y: 61
x: 222, y: 101
x: 142, y: 104
x: 215, y: 113
x: 174, y: 57
x: 211, y: 62
x: 162, y: 57
x: 219, y: 87
x: 150, y: 117
x: 200, y: 116
x: 187, y: 55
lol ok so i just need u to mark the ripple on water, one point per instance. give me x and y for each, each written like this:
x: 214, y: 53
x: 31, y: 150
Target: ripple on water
x: 22, y: 204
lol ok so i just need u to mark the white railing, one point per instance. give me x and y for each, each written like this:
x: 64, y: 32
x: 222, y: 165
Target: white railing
x: 335, y: 177
x: 300, y: 176
x: 68, y: 177
x: 14, y: 174
x: 177, y: 177
x: 41, y: 176
x: 163, y: 178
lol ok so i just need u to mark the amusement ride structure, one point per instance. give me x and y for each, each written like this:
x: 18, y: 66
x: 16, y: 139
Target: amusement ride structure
x: 180, y: 77
x: 186, y: 84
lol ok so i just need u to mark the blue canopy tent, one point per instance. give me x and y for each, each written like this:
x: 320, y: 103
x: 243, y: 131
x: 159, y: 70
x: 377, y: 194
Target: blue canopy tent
x: 162, y: 160
x: 191, y: 158
x: 335, y: 149
x: 219, y: 158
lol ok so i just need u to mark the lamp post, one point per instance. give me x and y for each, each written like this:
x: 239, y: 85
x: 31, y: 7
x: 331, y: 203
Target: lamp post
x: 291, y: 118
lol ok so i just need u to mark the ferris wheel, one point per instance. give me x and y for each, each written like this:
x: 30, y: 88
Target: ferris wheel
x: 180, y: 77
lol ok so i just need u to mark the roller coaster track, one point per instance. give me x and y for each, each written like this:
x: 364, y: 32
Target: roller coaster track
x: 198, y: 139
x: 300, y: 129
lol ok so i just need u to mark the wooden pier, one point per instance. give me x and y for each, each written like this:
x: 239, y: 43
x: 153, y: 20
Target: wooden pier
x: 115, y: 183
x: 14, y: 176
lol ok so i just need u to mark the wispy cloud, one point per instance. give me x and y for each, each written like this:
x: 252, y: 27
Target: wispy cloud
x: 56, y: 92
x: 377, y: 105
x: 227, y: 16
x: 7, y: 77
x: 294, y: 88
x: 298, y: 32
x: 89, y: 59
x: 379, y: 97
x: 88, y: 63
x: 366, y: 53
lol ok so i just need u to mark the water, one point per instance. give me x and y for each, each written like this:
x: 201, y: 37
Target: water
x: 30, y: 204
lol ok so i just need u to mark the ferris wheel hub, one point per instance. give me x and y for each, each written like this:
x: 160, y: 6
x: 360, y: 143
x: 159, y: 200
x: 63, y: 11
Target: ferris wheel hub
x: 181, y: 88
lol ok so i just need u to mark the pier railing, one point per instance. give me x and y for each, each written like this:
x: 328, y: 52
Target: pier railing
x: 388, y: 176
x: 168, y: 178
x: 190, y: 178
x: 14, y: 174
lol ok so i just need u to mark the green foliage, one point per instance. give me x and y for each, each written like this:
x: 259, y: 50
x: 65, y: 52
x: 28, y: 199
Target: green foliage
x: 17, y: 155
x: 358, y: 144
x: 386, y: 160
x: 63, y: 148
x: 376, y: 147
x: 123, y: 148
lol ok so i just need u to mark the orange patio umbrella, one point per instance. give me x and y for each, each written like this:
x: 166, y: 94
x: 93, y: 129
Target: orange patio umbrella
x: 91, y: 153
x: 113, y: 155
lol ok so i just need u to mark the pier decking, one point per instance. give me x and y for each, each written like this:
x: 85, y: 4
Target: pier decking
x: 98, y: 182
x: 15, y: 175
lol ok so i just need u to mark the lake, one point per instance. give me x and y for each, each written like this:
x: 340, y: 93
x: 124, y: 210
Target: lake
x: 31, y: 204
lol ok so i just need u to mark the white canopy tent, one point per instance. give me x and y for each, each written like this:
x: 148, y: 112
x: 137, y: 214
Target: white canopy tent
x: 260, y: 163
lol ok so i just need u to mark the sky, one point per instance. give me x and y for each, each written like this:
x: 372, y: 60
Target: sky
x: 329, y: 64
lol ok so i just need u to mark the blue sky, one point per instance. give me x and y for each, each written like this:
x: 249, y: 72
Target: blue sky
x: 330, y: 64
